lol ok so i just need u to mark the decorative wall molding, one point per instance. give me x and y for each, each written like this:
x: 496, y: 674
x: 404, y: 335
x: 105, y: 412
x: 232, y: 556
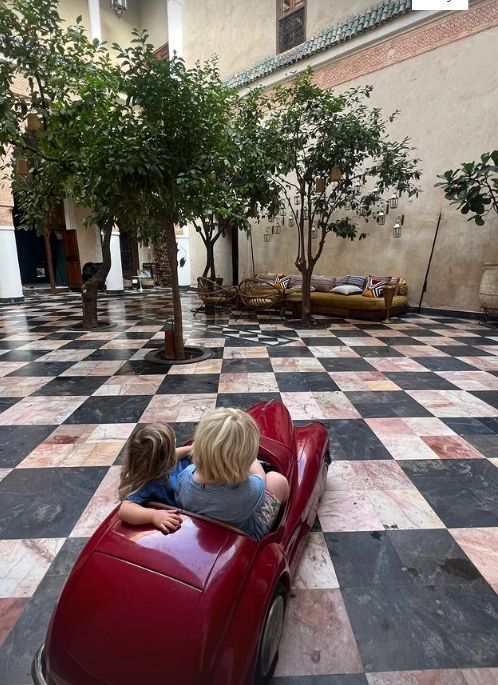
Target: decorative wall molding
x: 448, y: 29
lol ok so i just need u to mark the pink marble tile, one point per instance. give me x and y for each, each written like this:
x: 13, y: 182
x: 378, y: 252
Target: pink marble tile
x: 8, y: 367
x: 167, y: 408
x: 24, y: 563
x: 65, y: 356
x: 452, y: 403
x: 317, y: 638
x: 481, y: 546
x: 4, y: 472
x: 340, y: 351
x: 403, y: 509
x: 347, y: 511
x: 451, y: 447
x: 419, y: 351
x: 494, y: 462
x: 386, y: 333
x: 130, y: 385
x: 22, y: 386
x: 10, y: 610
x: 471, y: 380
x: 208, y: 366
x: 492, y: 349
x: 206, y: 342
x: 389, y: 427
x: 244, y: 352
x: 43, y: 345
x: 126, y: 344
x: 428, y: 425
x: 94, y: 368
x: 438, y: 341
x: 315, y: 569
x: 483, y: 363
x: 40, y: 410
x: 341, y: 476
x: 481, y: 676
x: 296, y: 364
x: 100, y: 335
x: 380, y: 474
x: 247, y: 382
x: 362, y: 380
x: 403, y: 447
x: 432, y: 677
x: 101, y: 504
x: 362, y: 341
x: 396, y: 364
x: 319, y: 405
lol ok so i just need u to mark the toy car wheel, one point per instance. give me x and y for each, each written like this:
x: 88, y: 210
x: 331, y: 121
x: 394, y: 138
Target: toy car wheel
x: 272, y: 632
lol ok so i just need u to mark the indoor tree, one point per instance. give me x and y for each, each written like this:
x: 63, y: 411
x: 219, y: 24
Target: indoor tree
x: 473, y: 187
x: 326, y: 147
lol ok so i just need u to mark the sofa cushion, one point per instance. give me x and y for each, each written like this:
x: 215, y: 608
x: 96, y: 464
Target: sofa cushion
x: 281, y: 281
x: 323, y: 284
x: 355, y: 301
x: 347, y: 289
x: 349, y: 279
x: 375, y: 286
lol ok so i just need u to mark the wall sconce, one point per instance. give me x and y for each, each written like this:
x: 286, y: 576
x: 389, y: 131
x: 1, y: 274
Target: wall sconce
x: 376, y: 193
x: 319, y: 185
x: 297, y: 199
x: 119, y: 7
x: 347, y: 205
x: 305, y: 213
x: 291, y: 221
x: 282, y: 209
x: 267, y: 236
x: 381, y: 217
x: 393, y: 201
x: 275, y: 229
x: 397, y: 226
x: 357, y: 188
x: 22, y: 166
x: 313, y: 233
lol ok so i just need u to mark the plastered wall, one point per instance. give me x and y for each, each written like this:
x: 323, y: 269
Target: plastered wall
x: 222, y: 256
x: 448, y: 99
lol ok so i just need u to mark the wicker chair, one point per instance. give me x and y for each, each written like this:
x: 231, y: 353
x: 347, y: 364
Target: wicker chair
x: 257, y: 295
x: 214, y: 296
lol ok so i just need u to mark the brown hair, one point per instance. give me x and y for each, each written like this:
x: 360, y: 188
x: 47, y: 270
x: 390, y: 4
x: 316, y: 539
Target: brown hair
x: 149, y: 454
x: 226, y: 443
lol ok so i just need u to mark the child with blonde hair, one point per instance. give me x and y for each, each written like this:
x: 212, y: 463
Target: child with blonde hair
x: 226, y: 480
x: 150, y: 473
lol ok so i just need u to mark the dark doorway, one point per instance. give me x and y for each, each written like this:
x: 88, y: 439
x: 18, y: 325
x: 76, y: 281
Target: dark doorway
x: 129, y: 256
x: 31, y: 253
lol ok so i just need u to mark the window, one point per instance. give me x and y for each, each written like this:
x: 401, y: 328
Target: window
x: 162, y: 52
x: 291, y: 23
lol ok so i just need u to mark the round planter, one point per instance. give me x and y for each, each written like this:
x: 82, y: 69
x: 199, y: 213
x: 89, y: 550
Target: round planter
x: 193, y: 354
x: 488, y: 290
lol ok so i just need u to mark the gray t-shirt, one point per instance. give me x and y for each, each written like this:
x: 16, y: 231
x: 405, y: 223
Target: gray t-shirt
x: 236, y: 505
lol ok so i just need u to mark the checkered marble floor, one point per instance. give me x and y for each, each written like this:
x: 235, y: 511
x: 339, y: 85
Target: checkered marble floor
x: 398, y: 583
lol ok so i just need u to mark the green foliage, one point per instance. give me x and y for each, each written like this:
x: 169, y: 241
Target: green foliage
x: 473, y: 187
x: 310, y: 131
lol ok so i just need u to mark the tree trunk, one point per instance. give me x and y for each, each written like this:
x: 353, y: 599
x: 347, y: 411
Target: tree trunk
x: 210, y: 260
x: 91, y: 288
x: 306, y: 296
x: 172, y: 250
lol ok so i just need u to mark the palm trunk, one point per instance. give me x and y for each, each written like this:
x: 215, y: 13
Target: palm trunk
x: 172, y: 250
x: 91, y: 288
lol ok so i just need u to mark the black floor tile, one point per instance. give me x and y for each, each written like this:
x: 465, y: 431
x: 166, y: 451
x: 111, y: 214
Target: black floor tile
x: 420, y: 380
x: 367, y: 351
x: 117, y: 409
x: 72, y: 385
x: 469, y: 426
x: 16, y: 442
x: 444, y: 364
x: 22, y: 355
x: 328, y: 341
x: 485, y: 444
x: 142, y: 368
x: 462, y: 492
x: 11, y: 344
x: 355, y: 439
x: 256, y: 365
x: 245, y: 400
x: 196, y: 383
x: 345, y: 364
x: 84, y: 344
x: 45, y: 503
x: 7, y: 402
x: 284, y: 351
x: 488, y: 396
x: 305, y: 382
x: 42, y: 369
x: 386, y: 404
x: 102, y: 355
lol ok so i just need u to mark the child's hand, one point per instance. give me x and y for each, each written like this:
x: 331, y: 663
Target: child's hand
x: 167, y: 521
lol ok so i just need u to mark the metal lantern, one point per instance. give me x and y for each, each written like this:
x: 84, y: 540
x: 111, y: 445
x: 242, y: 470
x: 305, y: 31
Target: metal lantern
x: 376, y: 193
x: 22, y: 166
x: 119, y: 7
x: 305, y: 214
x: 267, y: 236
x: 291, y: 221
x: 381, y: 217
x: 357, y: 188
x: 393, y: 201
x: 282, y: 209
x: 335, y: 174
x: 347, y: 204
x: 397, y: 230
x: 33, y: 123
x: 313, y: 233
x: 297, y: 199
x: 275, y: 229
x: 319, y: 184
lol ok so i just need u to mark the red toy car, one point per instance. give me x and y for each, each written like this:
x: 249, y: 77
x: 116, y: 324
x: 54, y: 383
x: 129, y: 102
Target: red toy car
x: 202, y: 606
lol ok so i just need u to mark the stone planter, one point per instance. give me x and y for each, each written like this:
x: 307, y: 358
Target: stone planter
x: 488, y: 290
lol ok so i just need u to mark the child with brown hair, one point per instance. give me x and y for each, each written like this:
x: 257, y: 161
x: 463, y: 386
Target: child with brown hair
x: 226, y: 480
x: 150, y: 473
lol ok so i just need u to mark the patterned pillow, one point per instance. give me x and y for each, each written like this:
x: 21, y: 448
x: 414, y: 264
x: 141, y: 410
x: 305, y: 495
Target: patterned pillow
x: 359, y: 281
x: 323, y: 284
x: 281, y: 281
x: 375, y: 286
x: 402, y: 287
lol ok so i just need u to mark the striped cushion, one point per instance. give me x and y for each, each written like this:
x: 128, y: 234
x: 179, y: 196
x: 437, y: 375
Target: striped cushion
x: 359, y: 281
x: 323, y: 284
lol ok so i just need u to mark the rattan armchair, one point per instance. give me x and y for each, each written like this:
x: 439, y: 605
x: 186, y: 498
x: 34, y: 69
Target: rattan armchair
x: 215, y: 296
x: 258, y: 295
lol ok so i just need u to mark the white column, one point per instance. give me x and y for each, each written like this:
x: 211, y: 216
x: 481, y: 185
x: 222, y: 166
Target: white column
x: 95, y: 25
x: 175, y: 27
x: 10, y: 275
x: 114, y: 280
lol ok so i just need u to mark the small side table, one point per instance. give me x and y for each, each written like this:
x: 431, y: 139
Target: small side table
x: 388, y: 293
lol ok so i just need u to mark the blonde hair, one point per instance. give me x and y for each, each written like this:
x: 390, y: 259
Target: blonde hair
x: 149, y: 454
x: 226, y: 443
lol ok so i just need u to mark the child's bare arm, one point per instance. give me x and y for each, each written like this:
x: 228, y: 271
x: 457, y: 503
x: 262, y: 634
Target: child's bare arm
x: 257, y: 470
x: 182, y: 452
x: 165, y: 520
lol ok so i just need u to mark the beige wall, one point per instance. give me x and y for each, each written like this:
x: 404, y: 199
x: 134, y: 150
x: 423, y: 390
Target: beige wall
x: 222, y: 256
x: 448, y: 99
x: 89, y: 245
x: 154, y: 18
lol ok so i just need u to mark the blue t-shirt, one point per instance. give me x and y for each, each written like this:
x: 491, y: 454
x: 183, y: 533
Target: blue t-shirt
x: 236, y: 505
x: 164, y: 491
